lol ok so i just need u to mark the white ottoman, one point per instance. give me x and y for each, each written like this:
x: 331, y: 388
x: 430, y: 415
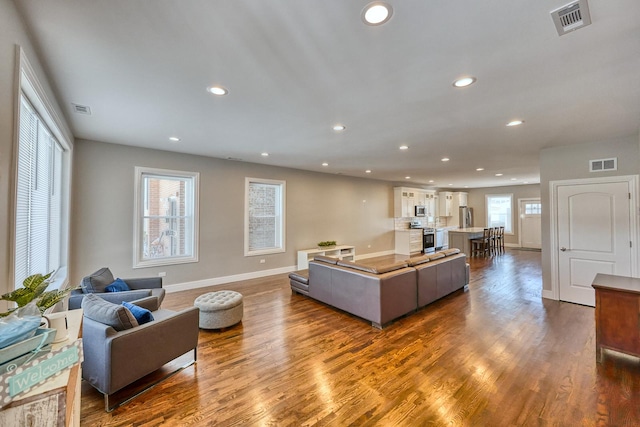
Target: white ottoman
x: 219, y: 309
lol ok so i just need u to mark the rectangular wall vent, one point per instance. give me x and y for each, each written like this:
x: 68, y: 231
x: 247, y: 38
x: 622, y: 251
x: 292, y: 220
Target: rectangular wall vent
x: 81, y: 109
x: 602, y: 165
x: 572, y: 16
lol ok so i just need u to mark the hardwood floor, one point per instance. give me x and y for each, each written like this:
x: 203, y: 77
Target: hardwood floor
x: 495, y: 355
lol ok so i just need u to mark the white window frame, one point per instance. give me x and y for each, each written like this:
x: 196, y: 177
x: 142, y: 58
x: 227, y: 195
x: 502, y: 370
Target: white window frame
x: 280, y: 218
x: 508, y: 228
x: 29, y: 86
x: 139, y: 261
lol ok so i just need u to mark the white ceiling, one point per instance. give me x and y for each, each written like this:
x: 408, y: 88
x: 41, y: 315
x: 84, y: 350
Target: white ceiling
x: 295, y: 68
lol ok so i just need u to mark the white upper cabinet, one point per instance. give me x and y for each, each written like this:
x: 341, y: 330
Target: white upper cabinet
x: 404, y: 202
x: 446, y: 200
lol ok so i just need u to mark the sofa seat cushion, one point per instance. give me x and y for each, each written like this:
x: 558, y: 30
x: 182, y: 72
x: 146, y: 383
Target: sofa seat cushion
x: 374, y: 270
x: 327, y: 259
x: 412, y: 262
x: 108, y: 313
x: 451, y: 251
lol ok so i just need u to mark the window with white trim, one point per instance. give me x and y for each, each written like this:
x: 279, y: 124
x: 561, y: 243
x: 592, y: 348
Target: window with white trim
x: 166, y: 217
x: 42, y: 185
x: 264, y: 216
x: 500, y: 211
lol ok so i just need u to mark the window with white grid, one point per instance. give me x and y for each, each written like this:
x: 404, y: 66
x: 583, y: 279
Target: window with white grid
x: 264, y: 216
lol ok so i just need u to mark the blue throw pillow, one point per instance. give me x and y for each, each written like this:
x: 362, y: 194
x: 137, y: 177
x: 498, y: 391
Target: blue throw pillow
x: 117, y: 285
x: 142, y: 315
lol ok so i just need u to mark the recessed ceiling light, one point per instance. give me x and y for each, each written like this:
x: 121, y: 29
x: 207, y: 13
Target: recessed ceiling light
x: 407, y: 177
x: 515, y: 122
x: 376, y: 13
x: 514, y: 179
x: 430, y: 181
x: 464, y: 82
x: 404, y: 147
x: 498, y: 174
x: 450, y: 184
x: 218, y: 90
x: 265, y: 154
x: 367, y: 171
x: 445, y: 159
x: 466, y: 186
x: 174, y: 139
x: 479, y: 169
x: 339, y: 128
x: 325, y: 164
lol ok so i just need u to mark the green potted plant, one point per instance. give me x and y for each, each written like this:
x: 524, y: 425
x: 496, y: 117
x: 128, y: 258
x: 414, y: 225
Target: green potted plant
x: 34, y: 289
x: 326, y: 244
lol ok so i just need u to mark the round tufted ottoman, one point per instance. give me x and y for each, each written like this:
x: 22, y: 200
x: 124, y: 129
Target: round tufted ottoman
x: 219, y: 309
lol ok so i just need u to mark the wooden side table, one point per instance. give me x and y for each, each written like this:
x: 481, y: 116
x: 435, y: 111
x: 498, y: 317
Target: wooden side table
x: 55, y: 403
x: 617, y: 314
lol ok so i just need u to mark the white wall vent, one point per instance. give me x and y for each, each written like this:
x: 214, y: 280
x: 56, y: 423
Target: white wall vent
x: 602, y: 165
x: 572, y: 16
x: 81, y: 109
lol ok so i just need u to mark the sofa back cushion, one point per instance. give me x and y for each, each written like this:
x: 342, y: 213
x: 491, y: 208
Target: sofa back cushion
x: 374, y: 270
x: 412, y: 262
x: 98, y: 281
x: 326, y: 259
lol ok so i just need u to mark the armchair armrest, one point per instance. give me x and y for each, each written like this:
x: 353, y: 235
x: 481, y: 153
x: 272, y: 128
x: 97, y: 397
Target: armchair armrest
x: 114, y: 359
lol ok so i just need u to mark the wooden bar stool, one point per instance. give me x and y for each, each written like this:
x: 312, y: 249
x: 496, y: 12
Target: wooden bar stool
x: 482, y: 244
x: 499, y: 239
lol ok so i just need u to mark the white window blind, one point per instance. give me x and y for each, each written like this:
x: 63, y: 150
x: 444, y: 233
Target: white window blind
x: 38, y: 197
x: 264, y: 216
x: 499, y: 211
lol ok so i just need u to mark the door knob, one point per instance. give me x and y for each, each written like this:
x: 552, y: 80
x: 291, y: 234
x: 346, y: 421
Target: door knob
x: 563, y: 249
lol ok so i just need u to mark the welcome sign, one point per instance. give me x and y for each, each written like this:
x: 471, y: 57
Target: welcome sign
x: 24, y: 378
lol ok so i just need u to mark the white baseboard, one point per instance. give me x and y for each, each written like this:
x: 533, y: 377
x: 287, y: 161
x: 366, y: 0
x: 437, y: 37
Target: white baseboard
x: 548, y: 295
x: 227, y: 279
x: 375, y: 254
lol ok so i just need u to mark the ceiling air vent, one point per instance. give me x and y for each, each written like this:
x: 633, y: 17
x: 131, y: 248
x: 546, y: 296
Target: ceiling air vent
x: 571, y: 17
x: 602, y: 165
x: 81, y: 109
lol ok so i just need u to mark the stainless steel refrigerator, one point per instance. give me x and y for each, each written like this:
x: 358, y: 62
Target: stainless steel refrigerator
x: 466, y: 217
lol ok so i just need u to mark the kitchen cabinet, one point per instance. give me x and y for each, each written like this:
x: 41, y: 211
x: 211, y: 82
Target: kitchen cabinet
x: 404, y: 202
x: 409, y: 241
x: 446, y: 201
x: 430, y: 203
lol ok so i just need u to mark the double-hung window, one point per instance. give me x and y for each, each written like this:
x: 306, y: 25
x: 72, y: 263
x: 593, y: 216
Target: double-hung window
x: 499, y: 211
x: 264, y: 216
x: 42, y: 185
x: 166, y: 217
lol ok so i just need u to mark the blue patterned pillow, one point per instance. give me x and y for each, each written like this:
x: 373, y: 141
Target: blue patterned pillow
x: 118, y: 285
x: 142, y: 315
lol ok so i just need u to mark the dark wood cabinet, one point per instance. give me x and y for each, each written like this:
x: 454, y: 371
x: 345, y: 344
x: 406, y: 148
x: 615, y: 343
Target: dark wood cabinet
x: 617, y: 314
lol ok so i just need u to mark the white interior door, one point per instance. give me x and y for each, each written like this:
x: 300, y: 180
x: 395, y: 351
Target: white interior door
x: 594, y: 236
x: 530, y: 223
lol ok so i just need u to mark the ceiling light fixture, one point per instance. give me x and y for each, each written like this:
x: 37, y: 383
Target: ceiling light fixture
x: 515, y: 122
x: 325, y: 164
x: 479, y: 169
x: 445, y: 159
x: 339, y: 128
x: 174, y: 139
x: 499, y: 174
x: 464, y: 82
x: 376, y: 13
x: 404, y: 147
x: 407, y: 177
x: 367, y: 171
x: 217, y: 90
x: 430, y: 181
x: 265, y: 154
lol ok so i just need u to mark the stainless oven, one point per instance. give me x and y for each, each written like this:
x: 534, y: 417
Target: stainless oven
x: 429, y: 240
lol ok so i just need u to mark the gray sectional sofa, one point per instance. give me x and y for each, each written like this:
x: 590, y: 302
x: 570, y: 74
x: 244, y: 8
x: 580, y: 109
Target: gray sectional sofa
x: 382, y: 294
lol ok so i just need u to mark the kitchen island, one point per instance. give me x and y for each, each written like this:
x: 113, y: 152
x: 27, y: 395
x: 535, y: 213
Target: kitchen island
x: 461, y: 238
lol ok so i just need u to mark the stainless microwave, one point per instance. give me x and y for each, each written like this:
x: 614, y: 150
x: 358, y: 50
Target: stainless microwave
x: 421, y: 211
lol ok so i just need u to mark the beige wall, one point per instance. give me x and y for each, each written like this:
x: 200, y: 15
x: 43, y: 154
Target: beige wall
x: 319, y: 207
x: 572, y: 162
x: 12, y: 34
x: 477, y: 200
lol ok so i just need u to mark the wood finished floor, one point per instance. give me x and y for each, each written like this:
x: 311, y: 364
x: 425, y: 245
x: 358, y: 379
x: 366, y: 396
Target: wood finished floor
x: 496, y: 355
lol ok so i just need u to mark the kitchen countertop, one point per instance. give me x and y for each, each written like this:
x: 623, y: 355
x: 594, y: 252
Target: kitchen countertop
x: 467, y: 230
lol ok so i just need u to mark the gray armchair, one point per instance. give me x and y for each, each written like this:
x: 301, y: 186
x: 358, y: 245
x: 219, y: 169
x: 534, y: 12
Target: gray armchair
x: 148, y: 289
x: 115, y: 358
